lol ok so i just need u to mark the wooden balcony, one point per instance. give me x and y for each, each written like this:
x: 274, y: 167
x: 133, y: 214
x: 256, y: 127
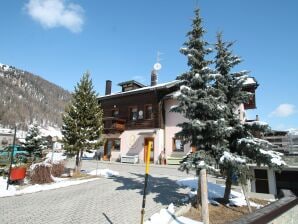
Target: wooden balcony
x: 113, y: 125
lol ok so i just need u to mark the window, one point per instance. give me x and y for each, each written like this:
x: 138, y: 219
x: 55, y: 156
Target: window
x: 133, y: 113
x: 177, y: 145
x: 117, y: 145
x: 148, y: 112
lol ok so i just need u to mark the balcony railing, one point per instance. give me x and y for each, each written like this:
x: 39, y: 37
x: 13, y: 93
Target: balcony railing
x: 113, y: 124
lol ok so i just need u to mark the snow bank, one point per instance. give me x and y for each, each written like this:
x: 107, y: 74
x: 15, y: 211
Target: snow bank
x: 60, y: 182
x: 216, y: 191
x: 167, y: 216
x: 103, y: 173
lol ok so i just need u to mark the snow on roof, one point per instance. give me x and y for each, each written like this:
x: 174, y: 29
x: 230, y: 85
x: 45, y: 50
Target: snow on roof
x: 250, y: 81
x: 51, y: 131
x: 133, y: 82
x: 259, y: 123
x: 293, y: 131
x: 158, y: 86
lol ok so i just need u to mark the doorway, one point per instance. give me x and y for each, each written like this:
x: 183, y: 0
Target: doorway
x: 112, y: 144
x: 146, y: 143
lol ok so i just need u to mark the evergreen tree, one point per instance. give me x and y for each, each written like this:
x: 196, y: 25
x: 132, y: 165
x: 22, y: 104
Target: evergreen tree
x: 244, y: 145
x: 34, y: 143
x: 200, y: 103
x: 82, y: 120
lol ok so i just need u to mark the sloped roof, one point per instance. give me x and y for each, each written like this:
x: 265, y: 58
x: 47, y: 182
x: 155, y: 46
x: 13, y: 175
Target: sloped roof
x: 144, y: 89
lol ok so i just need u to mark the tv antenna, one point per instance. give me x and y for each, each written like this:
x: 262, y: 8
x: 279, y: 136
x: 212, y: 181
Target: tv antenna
x: 157, y: 66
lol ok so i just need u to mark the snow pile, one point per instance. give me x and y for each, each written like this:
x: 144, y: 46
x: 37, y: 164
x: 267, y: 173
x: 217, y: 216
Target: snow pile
x: 60, y: 182
x: 104, y: 173
x: 3, y: 192
x: 216, y: 191
x: 57, y: 157
x: 167, y: 216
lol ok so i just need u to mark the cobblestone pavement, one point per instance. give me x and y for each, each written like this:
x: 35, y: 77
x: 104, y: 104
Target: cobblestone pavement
x: 114, y: 200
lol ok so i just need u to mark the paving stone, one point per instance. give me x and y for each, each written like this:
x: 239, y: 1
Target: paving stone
x: 113, y: 200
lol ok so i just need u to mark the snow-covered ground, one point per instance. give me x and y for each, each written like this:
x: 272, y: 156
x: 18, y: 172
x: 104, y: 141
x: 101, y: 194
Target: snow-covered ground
x: 104, y: 173
x: 57, y: 157
x: 167, y: 216
x: 59, y: 183
x: 215, y: 191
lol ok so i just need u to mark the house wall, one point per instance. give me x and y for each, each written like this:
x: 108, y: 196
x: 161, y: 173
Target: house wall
x: 123, y: 104
x: 241, y: 111
x: 171, y: 121
x: 132, y: 143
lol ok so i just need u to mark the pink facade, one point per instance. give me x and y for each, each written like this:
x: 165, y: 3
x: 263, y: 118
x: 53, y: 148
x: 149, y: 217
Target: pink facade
x: 171, y: 121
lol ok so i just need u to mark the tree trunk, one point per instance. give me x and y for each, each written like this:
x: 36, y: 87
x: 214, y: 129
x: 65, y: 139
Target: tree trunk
x: 228, y: 187
x: 78, y: 165
x: 204, y: 197
x: 199, y: 194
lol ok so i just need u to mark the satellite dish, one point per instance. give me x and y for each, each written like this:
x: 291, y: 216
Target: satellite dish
x: 157, y: 66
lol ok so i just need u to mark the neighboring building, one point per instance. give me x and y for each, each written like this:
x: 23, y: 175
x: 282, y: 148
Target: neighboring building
x: 271, y: 181
x: 279, y: 139
x: 6, y: 138
x: 139, y: 114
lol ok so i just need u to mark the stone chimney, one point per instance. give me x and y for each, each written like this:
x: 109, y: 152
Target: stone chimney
x: 108, y: 87
x: 153, y: 78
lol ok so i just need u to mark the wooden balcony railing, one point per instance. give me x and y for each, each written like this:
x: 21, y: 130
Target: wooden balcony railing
x: 113, y: 124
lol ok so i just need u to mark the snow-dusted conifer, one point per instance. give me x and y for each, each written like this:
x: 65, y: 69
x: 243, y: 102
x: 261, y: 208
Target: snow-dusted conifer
x: 243, y: 145
x: 82, y: 120
x: 200, y: 103
x: 34, y: 143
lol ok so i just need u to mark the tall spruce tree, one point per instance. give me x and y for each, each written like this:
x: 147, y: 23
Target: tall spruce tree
x: 200, y: 103
x: 82, y: 120
x: 244, y: 144
x: 34, y: 143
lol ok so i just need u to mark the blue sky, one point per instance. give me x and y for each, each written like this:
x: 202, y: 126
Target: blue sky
x: 119, y: 40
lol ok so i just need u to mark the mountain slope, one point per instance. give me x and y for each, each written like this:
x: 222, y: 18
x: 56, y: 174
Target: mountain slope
x: 25, y: 98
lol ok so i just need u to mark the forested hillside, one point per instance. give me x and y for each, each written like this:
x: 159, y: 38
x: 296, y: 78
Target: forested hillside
x: 25, y: 97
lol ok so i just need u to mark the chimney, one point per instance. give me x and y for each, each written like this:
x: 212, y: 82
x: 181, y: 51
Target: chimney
x: 153, y: 78
x: 108, y: 87
x: 257, y: 117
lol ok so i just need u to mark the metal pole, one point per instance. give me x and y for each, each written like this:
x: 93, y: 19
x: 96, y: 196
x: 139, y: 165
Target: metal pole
x: 11, y: 156
x: 146, y: 180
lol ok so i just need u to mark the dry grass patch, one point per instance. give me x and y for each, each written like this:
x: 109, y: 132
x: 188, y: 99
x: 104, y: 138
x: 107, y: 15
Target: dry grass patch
x: 223, y: 214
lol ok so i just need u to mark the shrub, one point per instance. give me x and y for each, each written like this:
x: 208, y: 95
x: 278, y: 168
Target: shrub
x: 41, y: 173
x: 58, y: 169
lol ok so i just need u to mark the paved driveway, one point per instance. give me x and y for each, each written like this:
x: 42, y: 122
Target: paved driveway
x: 115, y: 200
